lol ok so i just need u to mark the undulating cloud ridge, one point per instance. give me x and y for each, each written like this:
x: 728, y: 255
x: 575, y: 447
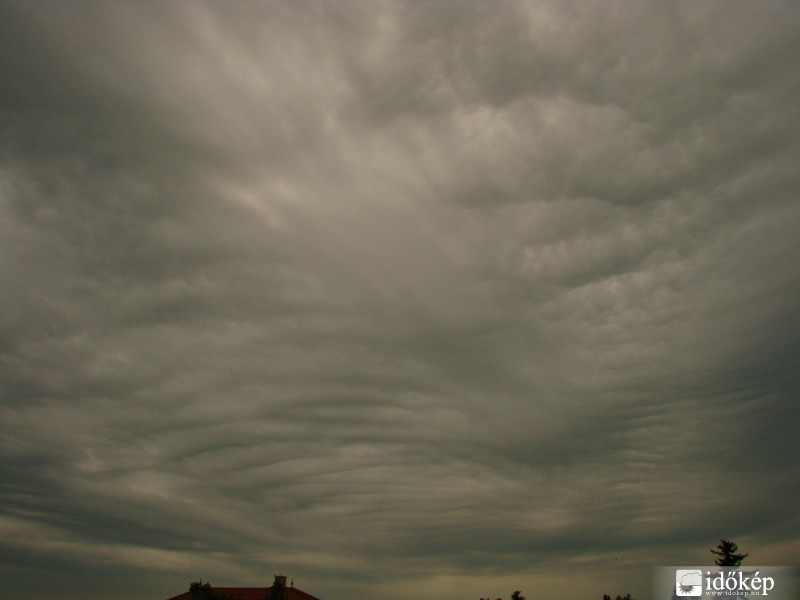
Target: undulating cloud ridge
x: 479, y: 292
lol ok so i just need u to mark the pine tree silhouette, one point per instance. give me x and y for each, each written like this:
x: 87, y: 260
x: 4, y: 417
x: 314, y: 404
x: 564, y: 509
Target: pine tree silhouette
x: 727, y: 553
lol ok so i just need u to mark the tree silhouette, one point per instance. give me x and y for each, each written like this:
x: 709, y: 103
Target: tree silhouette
x: 204, y: 591
x: 727, y: 554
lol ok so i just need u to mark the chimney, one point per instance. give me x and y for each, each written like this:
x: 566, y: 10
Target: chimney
x: 280, y: 581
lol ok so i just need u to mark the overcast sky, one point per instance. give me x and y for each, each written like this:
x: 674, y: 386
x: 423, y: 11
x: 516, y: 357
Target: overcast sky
x: 401, y: 299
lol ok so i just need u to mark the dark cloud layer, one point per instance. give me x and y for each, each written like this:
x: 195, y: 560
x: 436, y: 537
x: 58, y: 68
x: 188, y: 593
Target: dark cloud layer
x: 437, y: 298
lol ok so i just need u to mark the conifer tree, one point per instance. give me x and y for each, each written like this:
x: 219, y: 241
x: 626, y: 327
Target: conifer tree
x: 727, y: 553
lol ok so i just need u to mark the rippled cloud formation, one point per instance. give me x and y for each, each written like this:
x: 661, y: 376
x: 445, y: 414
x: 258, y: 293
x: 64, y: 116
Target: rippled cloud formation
x: 442, y: 299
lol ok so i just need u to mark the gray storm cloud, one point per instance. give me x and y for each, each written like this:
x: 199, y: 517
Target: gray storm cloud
x: 474, y: 292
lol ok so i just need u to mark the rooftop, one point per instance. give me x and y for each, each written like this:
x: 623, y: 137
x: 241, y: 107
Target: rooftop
x: 276, y: 592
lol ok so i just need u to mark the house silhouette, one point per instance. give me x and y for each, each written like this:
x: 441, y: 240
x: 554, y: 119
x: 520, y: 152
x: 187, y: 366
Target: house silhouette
x: 277, y: 591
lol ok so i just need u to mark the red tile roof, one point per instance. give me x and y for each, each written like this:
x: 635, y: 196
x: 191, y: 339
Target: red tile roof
x: 253, y: 593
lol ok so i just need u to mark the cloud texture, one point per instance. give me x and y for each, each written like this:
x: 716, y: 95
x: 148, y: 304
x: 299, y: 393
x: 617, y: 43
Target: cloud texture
x: 431, y: 298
